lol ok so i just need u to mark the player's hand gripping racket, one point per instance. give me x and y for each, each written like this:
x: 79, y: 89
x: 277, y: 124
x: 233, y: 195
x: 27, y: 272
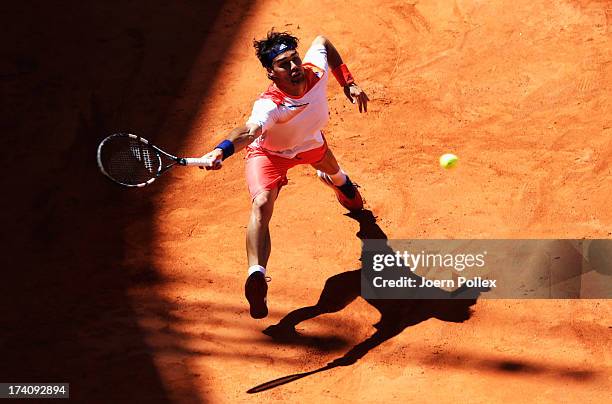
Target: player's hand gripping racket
x: 132, y: 161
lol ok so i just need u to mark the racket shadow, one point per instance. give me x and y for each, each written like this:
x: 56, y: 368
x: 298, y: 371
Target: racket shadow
x: 286, y: 379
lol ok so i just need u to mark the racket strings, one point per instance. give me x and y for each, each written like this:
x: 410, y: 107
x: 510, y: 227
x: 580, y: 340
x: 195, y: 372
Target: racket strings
x: 129, y: 161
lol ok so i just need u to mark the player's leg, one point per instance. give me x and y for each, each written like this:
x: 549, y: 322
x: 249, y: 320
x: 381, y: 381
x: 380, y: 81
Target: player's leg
x: 265, y: 175
x: 258, y: 241
x: 258, y: 246
x: 330, y: 173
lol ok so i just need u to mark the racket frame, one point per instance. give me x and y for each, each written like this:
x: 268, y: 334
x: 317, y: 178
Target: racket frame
x: 159, y: 152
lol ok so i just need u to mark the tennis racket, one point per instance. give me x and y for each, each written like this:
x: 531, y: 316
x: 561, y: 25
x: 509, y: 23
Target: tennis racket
x: 132, y: 161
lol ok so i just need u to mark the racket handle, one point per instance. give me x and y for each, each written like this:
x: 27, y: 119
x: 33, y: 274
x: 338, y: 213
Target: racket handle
x: 192, y: 161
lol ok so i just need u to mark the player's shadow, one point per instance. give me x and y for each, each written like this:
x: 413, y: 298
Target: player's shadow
x: 395, y: 314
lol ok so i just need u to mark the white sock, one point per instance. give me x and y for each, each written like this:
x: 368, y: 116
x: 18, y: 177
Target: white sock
x: 339, y: 178
x: 255, y: 268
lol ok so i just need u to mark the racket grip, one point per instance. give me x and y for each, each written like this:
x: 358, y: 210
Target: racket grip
x: 192, y: 161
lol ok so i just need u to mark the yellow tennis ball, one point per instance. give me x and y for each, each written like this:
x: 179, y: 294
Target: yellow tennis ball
x: 448, y: 160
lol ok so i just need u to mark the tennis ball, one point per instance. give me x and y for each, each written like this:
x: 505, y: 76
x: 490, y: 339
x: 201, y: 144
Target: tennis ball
x: 448, y: 160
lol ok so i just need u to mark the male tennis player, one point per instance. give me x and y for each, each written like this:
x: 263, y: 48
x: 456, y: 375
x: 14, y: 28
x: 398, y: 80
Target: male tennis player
x: 284, y: 130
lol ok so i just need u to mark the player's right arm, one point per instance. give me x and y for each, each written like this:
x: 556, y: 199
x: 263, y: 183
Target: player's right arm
x: 242, y: 136
x: 263, y: 117
x: 237, y: 140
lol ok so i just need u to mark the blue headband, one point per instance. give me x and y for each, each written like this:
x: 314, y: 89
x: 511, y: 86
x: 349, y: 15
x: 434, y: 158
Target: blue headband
x: 277, y: 50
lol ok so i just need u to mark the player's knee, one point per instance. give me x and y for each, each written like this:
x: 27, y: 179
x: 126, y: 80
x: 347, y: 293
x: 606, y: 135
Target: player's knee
x: 263, y: 205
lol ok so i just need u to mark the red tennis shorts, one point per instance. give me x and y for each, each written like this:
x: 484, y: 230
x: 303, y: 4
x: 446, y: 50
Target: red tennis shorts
x: 266, y: 171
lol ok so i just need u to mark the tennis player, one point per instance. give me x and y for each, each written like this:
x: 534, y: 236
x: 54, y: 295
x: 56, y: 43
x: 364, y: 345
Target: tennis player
x: 284, y: 130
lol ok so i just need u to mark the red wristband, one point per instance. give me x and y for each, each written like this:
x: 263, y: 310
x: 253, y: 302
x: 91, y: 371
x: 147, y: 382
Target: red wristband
x: 342, y: 74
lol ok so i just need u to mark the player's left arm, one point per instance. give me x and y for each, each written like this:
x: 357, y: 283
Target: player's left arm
x: 352, y: 91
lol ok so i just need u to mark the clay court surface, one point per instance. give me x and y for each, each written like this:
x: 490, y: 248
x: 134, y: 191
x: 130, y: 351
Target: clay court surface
x: 137, y: 296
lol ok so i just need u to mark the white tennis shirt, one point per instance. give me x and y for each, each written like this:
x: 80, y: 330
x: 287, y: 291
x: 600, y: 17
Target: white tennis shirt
x: 293, y: 125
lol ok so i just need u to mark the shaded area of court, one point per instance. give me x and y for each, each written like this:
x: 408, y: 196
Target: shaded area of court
x: 71, y: 74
